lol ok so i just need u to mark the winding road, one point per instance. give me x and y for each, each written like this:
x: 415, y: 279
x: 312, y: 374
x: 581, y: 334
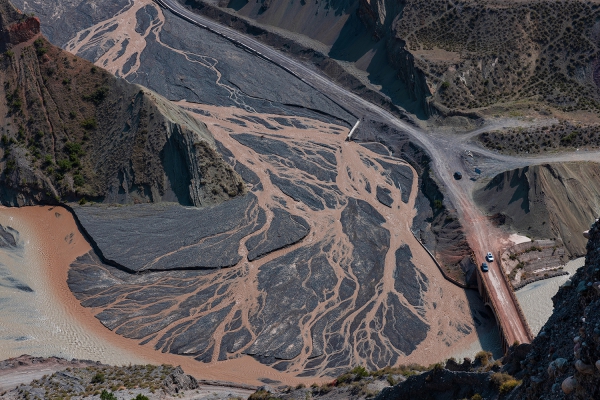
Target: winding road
x: 447, y: 150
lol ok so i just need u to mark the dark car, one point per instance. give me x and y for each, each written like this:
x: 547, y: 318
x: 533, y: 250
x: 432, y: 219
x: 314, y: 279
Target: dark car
x: 484, y: 267
x: 457, y: 175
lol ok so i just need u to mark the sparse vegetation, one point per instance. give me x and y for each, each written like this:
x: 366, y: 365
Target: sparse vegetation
x: 98, y: 378
x: 504, y: 382
x: 500, y: 54
x: 89, y: 123
x: 483, y: 357
x: 106, y: 395
x: 97, y: 96
x: 104, y: 381
x: 563, y: 135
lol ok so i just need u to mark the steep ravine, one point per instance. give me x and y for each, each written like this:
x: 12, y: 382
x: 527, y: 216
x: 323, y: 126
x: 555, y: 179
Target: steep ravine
x: 349, y: 42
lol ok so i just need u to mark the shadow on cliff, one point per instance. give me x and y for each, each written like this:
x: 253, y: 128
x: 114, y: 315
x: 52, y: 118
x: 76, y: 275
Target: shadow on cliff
x: 360, y: 45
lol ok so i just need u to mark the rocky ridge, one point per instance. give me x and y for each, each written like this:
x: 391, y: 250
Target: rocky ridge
x: 75, y: 132
x: 92, y: 380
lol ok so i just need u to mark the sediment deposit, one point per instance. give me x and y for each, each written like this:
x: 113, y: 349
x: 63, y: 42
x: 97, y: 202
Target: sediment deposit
x: 346, y: 284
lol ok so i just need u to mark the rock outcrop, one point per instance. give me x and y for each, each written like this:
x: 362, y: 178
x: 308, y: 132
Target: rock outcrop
x: 75, y: 131
x: 178, y: 382
x: 15, y: 27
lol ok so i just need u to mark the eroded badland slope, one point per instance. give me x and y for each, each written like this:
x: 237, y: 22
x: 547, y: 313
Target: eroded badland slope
x: 72, y: 130
x: 549, y: 201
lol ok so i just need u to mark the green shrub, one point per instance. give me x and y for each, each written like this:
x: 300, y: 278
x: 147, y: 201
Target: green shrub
x: 483, y: 357
x: 476, y: 396
x: 360, y: 371
x: 73, y: 149
x: 64, y: 164
x: 39, y: 47
x: 509, y: 385
x: 438, y: 204
x: 98, y: 378
x: 262, y: 395
x: 105, y: 395
x: 140, y: 397
x: 78, y: 180
x: 499, y: 378
x: 97, y: 96
x: 10, y: 165
x: 89, y: 123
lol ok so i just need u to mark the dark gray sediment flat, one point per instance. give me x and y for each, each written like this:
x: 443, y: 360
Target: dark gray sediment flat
x: 170, y: 236
x: 402, y: 177
x: 383, y: 196
x: 322, y: 165
x: 284, y: 230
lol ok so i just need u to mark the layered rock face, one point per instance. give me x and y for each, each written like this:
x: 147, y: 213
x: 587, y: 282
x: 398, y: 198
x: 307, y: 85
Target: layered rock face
x: 19, y: 32
x: 13, y: 30
x: 74, y: 131
x: 546, y: 201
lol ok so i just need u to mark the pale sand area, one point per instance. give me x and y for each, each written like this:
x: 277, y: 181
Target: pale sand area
x: 536, y: 298
x: 38, y: 321
x: 55, y: 324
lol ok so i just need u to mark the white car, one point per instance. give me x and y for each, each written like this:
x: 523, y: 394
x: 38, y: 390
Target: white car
x: 489, y: 257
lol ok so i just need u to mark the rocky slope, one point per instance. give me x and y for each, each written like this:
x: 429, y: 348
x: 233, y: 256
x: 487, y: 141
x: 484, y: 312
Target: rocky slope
x: 348, y: 40
x: 465, y: 55
x: 546, y: 201
x: 74, y: 131
x: 91, y: 380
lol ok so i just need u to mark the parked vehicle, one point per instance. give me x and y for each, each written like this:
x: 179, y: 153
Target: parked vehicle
x: 457, y: 175
x: 484, y: 267
x: 489, y: 257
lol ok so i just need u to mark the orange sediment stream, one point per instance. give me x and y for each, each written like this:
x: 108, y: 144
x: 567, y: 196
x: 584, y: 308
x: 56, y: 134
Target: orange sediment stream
x: 43, y: 230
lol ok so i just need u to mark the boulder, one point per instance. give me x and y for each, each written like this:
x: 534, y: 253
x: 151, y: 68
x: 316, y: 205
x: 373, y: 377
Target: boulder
x: 569, y: 385
x: 178, y: 382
